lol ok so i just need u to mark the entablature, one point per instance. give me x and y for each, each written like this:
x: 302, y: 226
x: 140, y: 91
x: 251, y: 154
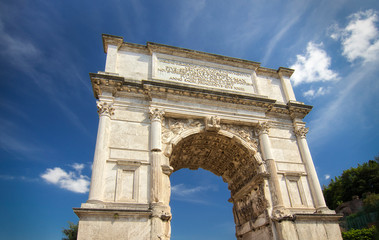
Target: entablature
x: 117, y: 85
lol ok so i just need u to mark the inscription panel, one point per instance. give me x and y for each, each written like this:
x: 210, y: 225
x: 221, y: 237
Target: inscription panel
x: 204, y: 76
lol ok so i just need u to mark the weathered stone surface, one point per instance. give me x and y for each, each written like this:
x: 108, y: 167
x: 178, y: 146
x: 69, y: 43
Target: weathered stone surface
x: 164, y: 108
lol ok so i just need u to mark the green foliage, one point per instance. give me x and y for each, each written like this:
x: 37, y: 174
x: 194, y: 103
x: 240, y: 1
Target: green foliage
x: 371, y: 203
x: 360, y: 234
x: 72, y: 232
x: 354, y: 181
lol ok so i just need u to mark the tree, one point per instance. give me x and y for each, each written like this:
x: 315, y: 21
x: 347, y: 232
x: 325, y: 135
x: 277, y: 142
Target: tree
x: 72, y: 232
x: 353, y: 182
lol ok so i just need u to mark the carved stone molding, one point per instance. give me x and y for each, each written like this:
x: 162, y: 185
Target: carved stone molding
x: 156, y: 114
x: 262, y: 128
x: 104, y: 108
x: 281, y: 214
x: 212, y: 123
x: 301, y: 132
x: 174, y: 127
x: 244, y: 132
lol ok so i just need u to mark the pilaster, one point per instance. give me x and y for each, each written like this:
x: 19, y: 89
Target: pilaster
x: 285, y: 74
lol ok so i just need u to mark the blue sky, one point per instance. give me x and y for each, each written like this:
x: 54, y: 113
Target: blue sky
x: 48, y: 118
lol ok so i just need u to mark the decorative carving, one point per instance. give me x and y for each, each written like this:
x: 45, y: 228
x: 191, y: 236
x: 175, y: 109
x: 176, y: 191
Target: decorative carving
x: 301, y: 132
x: 251, y: 206
x: 174, y: 127
x: 262, y: 128
x: 156, y: 114
x: 212, y: 123
x: 104, y: 108
x: 280, y: 214
x: 203, y: 75
x: 243, y: 132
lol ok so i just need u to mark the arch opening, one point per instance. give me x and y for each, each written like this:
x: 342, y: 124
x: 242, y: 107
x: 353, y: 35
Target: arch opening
x: 229, y: 158
x: 199, y: 206
x: 223, y: 156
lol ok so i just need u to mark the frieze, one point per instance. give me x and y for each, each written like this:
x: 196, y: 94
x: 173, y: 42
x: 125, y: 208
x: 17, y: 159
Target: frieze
x: 194, y: 74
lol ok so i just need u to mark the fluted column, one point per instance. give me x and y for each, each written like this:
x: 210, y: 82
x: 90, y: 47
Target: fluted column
x: 105, y: 111
x: 262, y: 130
x: 314, y: 183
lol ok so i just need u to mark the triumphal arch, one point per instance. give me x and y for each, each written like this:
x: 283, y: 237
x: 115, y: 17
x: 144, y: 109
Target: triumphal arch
x: 164, y: 108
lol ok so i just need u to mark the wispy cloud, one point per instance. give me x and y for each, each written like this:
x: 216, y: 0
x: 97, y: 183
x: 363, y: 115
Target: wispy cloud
x: 71, y: 180
x: 282, y: 27
x: 18, y: 51
x: 313, y: 66
x: 14, y: 140
x: 360, y: 38
x: 189, y: 11
x: 191, y: 194
x: 43, y: 69
x: 326, y: 176
x: 17, y: 178
x: 346, y: 105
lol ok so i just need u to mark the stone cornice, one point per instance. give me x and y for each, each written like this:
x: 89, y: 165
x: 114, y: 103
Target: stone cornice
x: 298, y: 110
x: 116, y: 84
x: 287, y: 72
x: 111, y: 40
x: 116, y: 212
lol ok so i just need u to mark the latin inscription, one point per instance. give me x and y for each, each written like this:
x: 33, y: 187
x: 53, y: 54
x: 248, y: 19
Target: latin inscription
x: 194, y: 74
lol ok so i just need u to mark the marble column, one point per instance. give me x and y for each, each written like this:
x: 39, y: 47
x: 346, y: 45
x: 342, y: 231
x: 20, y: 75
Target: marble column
x: 105, y: 111
x: 314, y: 183
x: 262, y: 130
x: 156, y: 118
x: 161, y: 213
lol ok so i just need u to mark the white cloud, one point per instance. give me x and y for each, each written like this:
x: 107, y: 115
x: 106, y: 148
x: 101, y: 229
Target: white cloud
x: 360, y: 38
x: 326, y: 176
x: 313, y: 66
x: 310, y: 94
x: 72, y: 181
x: 78, y: 167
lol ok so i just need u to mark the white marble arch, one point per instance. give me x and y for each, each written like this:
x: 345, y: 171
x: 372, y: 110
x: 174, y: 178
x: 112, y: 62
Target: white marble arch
x: 159, y: 106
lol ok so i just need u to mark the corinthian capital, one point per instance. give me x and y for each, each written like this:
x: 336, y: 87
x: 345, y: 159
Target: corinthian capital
x: 262, y: 128
x: 104, y: 108
x: 301, y: 131
x: 156, y: 114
